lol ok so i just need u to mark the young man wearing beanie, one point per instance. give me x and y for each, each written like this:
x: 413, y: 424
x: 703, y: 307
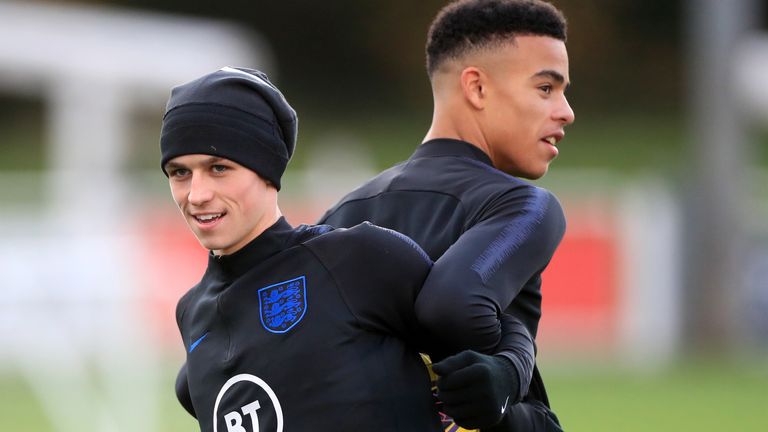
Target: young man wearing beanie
x: 291, y: 328
x: 499, y: 70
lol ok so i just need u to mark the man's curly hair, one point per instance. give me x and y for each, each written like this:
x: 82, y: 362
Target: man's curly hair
x: 465, y: 25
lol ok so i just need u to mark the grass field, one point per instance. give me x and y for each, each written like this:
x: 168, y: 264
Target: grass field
x: 696, y: 397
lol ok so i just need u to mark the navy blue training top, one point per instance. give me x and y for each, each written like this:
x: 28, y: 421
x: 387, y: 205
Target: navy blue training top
x: 308, y: 328
x: 491, y: 236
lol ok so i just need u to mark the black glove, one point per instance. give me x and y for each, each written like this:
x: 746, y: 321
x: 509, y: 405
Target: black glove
x: 476, y: 389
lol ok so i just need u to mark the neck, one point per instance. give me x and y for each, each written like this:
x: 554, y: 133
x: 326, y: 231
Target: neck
x: 456, y: 124
x: 267, y: 220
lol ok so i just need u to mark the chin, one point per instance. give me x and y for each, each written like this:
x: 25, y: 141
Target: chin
x: 535, y: 176
x: 528, y: 174
x: 208, y: 244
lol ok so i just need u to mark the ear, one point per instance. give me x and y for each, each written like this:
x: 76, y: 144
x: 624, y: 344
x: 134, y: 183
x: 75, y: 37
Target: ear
x: 472, y: 86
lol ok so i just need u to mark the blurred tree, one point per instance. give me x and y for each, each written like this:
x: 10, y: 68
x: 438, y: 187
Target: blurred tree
x: 625, y: 56
x: 352, y: 55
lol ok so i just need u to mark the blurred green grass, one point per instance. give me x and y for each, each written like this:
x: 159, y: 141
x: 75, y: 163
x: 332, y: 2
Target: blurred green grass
x: 690, y: 396
x: 687, y: 396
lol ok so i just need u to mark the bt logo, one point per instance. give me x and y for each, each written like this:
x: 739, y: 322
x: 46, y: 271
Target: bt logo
x: 235, y: 420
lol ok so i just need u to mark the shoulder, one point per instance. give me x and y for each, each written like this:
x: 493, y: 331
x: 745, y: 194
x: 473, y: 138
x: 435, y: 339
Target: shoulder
x: 373, y: 187
x: 305, y: 233
x: 369, y: 249
x: 498, y: 193
x: 532, y: 206
x: 393, y: 240
x: 473, y: 182
x: 369, y: 239
x: 183, y: 304
x: 532, y: 198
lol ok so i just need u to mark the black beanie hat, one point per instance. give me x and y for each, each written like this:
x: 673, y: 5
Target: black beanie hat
x: 234, y: 113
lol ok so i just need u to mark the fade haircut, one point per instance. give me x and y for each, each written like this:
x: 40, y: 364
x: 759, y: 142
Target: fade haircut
x: 467, y: 25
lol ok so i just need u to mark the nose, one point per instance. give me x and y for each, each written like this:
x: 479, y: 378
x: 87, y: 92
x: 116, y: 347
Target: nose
x: 200, y: 190
x: 564, y: 113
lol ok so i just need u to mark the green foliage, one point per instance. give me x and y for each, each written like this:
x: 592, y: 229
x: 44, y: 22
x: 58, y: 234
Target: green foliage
x: 354, y: 54
x: 21, y: 134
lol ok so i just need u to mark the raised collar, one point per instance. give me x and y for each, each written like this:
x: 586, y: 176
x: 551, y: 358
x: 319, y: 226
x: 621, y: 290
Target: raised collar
x: 273, y: 240
x: 450, y: 147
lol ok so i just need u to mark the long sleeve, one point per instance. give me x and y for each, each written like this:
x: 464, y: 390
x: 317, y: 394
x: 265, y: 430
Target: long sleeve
x: 475, y: 281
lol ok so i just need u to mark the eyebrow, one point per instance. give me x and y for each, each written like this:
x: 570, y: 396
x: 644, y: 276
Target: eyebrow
x: 552, y: 74
x: 175, y: 165
x: 172, y: 165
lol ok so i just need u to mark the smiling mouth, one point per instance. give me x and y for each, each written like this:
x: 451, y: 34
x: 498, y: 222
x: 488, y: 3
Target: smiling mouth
x: 551, y: 140
x: 208, y: 218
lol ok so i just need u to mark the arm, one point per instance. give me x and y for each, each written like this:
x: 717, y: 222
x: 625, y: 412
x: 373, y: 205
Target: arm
x: 480, y: 275
x: 463, y: 298
x: 477, y: 389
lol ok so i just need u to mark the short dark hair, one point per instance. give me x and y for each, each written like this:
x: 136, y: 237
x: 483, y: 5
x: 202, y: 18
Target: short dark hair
x: 465, y: 25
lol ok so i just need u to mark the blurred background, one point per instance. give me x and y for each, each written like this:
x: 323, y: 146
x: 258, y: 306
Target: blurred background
x: 655, y: 306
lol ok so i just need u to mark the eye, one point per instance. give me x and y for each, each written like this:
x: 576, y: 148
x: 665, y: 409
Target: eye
x: 219, y: 168
x: 178, y: 172
x: 546, y: 88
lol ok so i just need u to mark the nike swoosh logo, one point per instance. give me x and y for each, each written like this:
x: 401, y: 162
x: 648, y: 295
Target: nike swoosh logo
x: 504, y: 407
x: 197, y: 342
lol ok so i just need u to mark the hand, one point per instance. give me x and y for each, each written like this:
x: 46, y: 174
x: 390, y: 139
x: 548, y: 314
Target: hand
x: 476, y: 389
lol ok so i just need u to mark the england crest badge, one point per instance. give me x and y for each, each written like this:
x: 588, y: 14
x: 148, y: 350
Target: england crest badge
x: 283, y: 304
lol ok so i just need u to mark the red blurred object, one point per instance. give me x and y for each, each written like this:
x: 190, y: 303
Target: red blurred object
x: 580, y: 287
